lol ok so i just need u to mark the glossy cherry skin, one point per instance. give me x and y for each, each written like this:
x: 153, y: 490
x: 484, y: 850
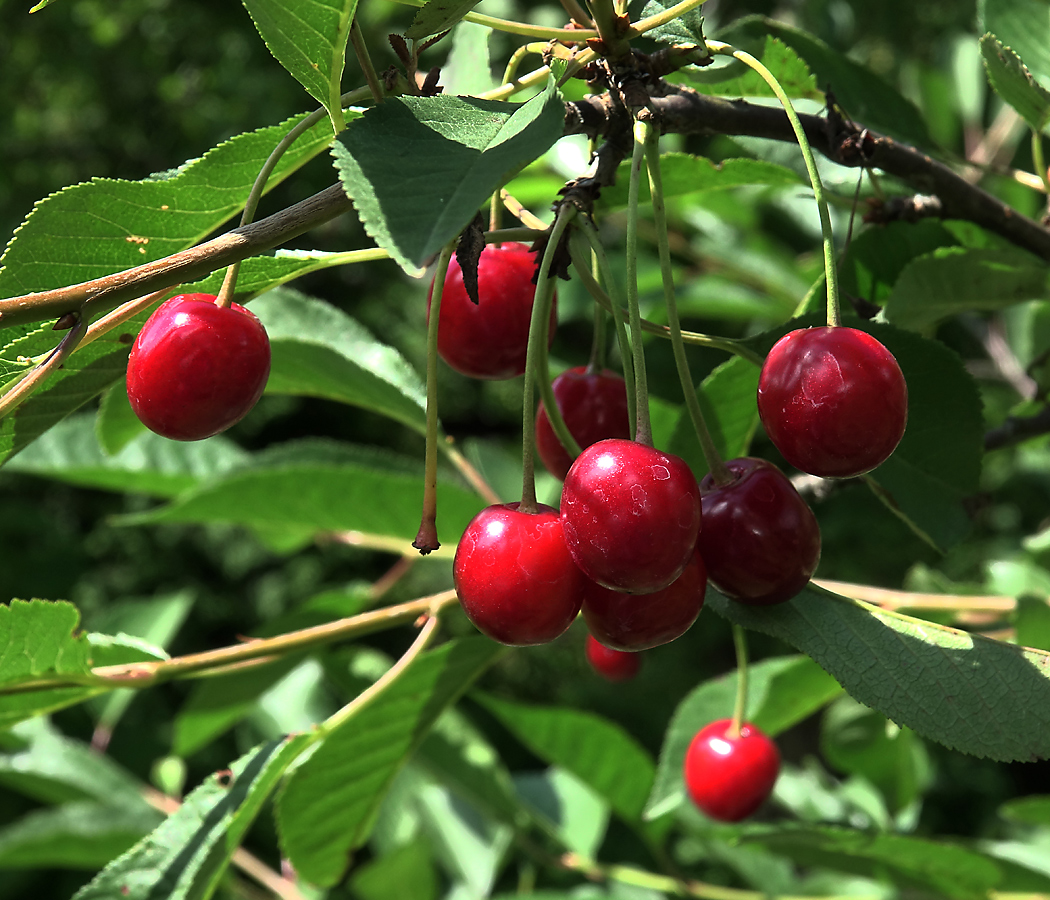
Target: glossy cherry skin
x: 730, y: 777
x: 196, y: 368
x: 631, y: 515
x: 489, y: 339
x: 635, y: 622
x: 594, y: 407
x: 514, y: 576
x: 612, y: 665
x: 833, y: 401
x: 760, y: 540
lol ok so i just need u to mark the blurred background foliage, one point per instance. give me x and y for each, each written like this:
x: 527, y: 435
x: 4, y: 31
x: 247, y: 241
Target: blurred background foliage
x: 125, y: 88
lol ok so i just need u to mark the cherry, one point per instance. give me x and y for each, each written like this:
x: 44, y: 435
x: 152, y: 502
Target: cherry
x: 832, y: 400
x: 729, y: 776
x: 489, y: 339
x: 612, y: 665
x: 515, y: 578
x: 631, y: 515
x: 594, y: 407
x: 196, y: 368
x: 633, y: 622
x: 760, y: 540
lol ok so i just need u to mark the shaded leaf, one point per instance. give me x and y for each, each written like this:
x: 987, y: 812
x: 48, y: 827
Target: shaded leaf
x: 1014, y: 83
x: 1034, y: 810
x: 968, y: 692
x: 437, y: 16
x: 406, y: 871
x: 686, y: 29
x: 1022, y: 25
x: 116, y: 424
x: 575, y: 813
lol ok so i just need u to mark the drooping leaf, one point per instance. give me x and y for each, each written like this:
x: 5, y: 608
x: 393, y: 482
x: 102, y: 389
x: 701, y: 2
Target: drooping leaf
x: 736, y: 79
x: 955, y: 279
x: 187, y: 855
x: 319, y: 351
x: 781, y: 692
x: 727, y: 399
x: 968, y: 692
x: 683, y: 173
x: 437, y: 16
x: 316, y: 486
x: 327, y: 807
x: 1022, y: 25
x: 1014, y: 83
x: 309, y: 40
x: 418, y: 168
x: 598, y: 752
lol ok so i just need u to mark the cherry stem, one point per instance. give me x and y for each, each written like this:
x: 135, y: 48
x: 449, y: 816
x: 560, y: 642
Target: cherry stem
x: 357, y: 40
x: 426, y: 539
x: 1039, y: 161
x: 644, y: 430
x: 537, y: 374
x: 719, y: 472
x: 830, y: 269
x: 596, y: 361
x: 521, y: 28
x: 43, y: 370
x: 576, y: 12
x: 610, y: 300
x: 740, y: 706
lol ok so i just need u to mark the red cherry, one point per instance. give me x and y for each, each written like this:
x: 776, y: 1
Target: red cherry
x: 760, y: 540
x: 514, y: 576
x: 612, y: 665
x: 196, y: 368
x: 631, y: 514
x: 728, y: 776
x: 634, y: 622
x: 594, y: 407
x: 489, y: 339
x: 833, y: 401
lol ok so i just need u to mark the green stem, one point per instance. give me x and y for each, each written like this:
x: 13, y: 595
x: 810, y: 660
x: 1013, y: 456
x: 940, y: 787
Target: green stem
x: 535, y: 77
x: 426, y: 539
x: 719, y: 472
x: 644, y: 430
x: 611, y: 302
x: 357, y: 40
x: 607, y: 20
x: 1039, y: 161
x: 830, y: 269
x: 596, y: 360
x: 522, y: 28
x: 537, y: 373
x: 740, y: 706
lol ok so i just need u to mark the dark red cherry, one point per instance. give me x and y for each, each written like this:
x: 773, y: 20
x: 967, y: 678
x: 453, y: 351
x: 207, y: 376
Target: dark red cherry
x: 760, y: 540
x: 196, y: 368
x: 515, y: 578
x: 730, y: 776
x: 833, y: 401
x: 631, y: 514
x: 612, y: 665
x: 594, y: 407
x: 489, y: 339
x: 633, y: 622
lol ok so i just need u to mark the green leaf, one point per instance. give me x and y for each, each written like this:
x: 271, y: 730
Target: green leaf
x: 328, y: 805
x: 727, y: 399
x: 946, y: 869
x: 468, y: 69
x: 951, y: 280
x: 686, y: 29
x: 968, y: 692
x: 598, y: 752
x: 683, y: 173
x: 319, y: 351
x: 84, y: 835
x: 309, y: 40
x: 1033, y: 810
x: 149, y: 464
x: 1014, y: 83
x: 1033, y: 622
x: 1024, y: 26
x: 318, y: 486
x: 406, y: 871
x: 187, y: 855
x: 116, y: 424
x: 418, y: 168
x: 40, y: 638
x: 574, y: 812
x: 437, y: 16
x: 863, y: 94
x: 781, y: 692
x: 736, y: 79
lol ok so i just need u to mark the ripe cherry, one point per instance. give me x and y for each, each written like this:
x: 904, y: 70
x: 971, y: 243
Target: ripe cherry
x: 635, y: 622
x: 514, y: 576
x: 594, y: 407
x: 631, y: 514
x: 612, y: 665
x: 729, y: 776
x: 196, y: 368
x: 832, y: 400
x: 760, y: 540
x: 489, y: 339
